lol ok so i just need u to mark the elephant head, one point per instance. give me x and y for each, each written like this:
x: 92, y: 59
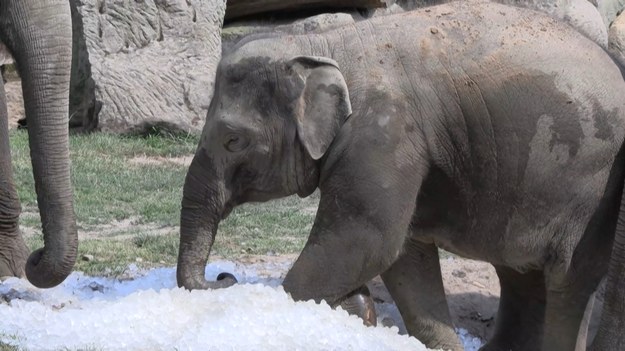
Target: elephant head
x: 39, y: 35
x: 270, y: 121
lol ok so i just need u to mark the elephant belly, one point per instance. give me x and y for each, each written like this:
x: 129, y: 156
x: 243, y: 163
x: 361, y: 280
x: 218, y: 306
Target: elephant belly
x: 524, y: 230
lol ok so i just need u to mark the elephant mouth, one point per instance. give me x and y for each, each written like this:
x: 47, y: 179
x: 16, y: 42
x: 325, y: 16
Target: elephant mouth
x: 250, y: 196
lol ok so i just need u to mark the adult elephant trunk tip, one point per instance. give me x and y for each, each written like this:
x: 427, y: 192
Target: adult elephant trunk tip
x: 45, y: 270
x: 203, y: 204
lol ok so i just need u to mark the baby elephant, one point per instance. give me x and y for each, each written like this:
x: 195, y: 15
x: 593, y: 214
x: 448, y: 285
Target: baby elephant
x: 490, y: 131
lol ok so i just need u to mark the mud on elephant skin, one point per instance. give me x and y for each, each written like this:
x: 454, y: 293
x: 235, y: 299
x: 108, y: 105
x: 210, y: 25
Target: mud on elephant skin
x: 39, y: 35
x: 491, y: 131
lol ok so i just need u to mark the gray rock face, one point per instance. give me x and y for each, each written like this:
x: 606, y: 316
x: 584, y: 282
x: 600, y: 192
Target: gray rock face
x: 580, y: 14
x: 617, y: 39
x: 317, y: 23
x: 584, y: 16
x: 153, y: 61
x: 609, y: 9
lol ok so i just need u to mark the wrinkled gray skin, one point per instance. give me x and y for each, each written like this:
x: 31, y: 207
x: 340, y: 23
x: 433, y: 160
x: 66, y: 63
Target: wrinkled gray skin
x: 492, y: 132
x: 39, y: 35
x: 611, y: 331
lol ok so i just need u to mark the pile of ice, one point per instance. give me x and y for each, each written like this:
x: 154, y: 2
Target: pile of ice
x: 151, y: 313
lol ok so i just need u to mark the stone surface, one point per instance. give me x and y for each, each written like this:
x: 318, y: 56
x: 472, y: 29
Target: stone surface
x: 153, y: 61
x: 584, y: 16
x: 610, y: 9
x: 250, y: 8
x: 617, y: 39
x: 580, y: 14
x: 83, y: 106
x: 317, y: 23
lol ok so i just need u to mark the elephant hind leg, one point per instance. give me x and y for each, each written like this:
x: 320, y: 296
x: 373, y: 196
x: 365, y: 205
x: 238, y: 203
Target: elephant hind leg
x: 416, y: 285
x: 521, y: 313
x: 564, y: 317
x: 13, y: 250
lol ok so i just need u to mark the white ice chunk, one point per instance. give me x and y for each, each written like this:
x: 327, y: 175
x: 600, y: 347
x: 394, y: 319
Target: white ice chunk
x: 150, y: 313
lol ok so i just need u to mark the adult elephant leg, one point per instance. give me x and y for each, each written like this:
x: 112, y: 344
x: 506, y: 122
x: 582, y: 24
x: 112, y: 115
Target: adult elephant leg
x: 13, y: 251
x: 416, y: 285
x: 39, y: 34
x: 521, y: 313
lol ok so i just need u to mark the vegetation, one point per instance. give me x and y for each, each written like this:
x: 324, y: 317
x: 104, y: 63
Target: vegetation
x: 127, y: 192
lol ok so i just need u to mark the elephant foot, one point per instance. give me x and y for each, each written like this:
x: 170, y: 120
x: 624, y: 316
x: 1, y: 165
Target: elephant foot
x: 360, y: 303
x: 13, y: 255
x: 227, y: 278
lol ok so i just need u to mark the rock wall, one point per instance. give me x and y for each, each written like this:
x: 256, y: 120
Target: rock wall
x: 152, y: 61
x: 580, y: 14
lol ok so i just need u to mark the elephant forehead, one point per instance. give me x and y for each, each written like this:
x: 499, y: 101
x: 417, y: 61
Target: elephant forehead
x: 237, y: 69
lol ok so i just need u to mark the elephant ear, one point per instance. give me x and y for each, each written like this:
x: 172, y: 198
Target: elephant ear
x: 323, y: 105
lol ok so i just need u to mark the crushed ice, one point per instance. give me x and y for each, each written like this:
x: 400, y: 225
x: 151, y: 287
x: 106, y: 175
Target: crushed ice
x: 151, y: 313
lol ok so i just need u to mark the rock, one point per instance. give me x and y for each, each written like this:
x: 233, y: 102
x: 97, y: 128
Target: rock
x: 609, y: 10
x: 317, y: 23
x: 584, y: 16
x: 617, y: 39
x: 414, y: 4
x: 245, y: 8
x: 152, y: 61
x: 580, y: 14
x: 234, y: 32
x: 83, y: 106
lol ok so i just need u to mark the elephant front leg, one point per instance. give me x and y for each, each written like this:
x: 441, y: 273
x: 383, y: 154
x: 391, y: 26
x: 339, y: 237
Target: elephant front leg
x: 416, y: 285
x: 356, y: 236
x: 13, y: 250
x: 331, y: 267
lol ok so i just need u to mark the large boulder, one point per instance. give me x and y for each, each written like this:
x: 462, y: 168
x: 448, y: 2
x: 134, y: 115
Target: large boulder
x: 83, y: 105
x: 152, y: 61
x: 580, y: 14
x: 617, y: 39
x: 609, y: 9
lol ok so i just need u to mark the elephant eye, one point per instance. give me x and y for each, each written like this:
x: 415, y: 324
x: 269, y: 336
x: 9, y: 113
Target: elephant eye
x: 235, y: 142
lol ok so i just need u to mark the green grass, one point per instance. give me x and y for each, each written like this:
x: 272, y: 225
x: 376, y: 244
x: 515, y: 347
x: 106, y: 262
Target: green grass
x: 107, y: 186
x: 110, y: 190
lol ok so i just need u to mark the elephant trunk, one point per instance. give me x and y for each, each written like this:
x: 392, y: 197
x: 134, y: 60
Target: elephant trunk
x: 40, y: 39
x: 203, y: 205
